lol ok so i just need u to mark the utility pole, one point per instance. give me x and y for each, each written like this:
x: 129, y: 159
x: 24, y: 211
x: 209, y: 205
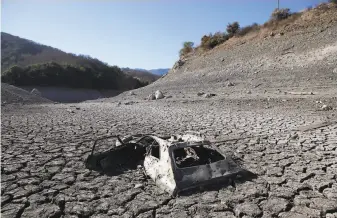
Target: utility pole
x: 278, y: 4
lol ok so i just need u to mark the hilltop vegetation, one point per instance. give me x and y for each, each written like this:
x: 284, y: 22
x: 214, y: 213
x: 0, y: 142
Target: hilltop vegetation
x: 24, y: 62
x: 54, y: 74
x: 279, y: 19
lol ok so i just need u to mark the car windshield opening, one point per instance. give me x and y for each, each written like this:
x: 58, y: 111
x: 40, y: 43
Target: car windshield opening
x: 195, y: 156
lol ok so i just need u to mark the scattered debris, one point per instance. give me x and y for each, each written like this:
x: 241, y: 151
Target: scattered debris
x: 230, y: 84
x: 129, y: 103
x: 159, y: 95
x: 175, y: 163
x: 299, y: 93
x: 209, y: 95
x: 294, y: 136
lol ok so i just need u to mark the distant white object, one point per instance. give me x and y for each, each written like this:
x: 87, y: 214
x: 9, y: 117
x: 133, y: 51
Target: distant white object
x: 36, y: 92
x: 158, y: 94
x: 326, y: 107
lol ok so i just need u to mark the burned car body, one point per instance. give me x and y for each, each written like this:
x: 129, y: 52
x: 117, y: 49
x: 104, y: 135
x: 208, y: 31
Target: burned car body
x: 174, y: 163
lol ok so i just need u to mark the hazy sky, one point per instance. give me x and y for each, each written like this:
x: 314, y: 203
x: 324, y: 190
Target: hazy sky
x: 131, y: 33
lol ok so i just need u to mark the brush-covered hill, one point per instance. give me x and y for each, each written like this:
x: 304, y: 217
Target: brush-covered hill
x: 295, y: 53
x: 41, y: 65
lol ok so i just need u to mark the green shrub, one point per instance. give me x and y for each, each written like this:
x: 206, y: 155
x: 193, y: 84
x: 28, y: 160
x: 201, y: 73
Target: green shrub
x: 211, y: 41
x: 232, y: 28
x: 280, y: 14
x: 187, y: 48
x: 247, y: 29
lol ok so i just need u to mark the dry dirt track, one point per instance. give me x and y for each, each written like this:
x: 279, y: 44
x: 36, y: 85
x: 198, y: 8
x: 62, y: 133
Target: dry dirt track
x: 44, y: 146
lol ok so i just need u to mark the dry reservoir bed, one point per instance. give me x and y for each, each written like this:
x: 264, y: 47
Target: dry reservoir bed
x: 44, y: 148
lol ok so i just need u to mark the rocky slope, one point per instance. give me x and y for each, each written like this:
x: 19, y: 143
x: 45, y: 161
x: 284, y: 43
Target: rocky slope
x: 303, y: 58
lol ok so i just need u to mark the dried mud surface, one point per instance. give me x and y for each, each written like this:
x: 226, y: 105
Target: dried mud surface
x: 44, y: 148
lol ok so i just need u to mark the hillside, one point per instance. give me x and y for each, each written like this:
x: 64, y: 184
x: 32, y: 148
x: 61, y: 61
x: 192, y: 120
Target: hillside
x: 160, y: 71
x: 23, y: 53
x: 295, y: 54
x: 142, y: 75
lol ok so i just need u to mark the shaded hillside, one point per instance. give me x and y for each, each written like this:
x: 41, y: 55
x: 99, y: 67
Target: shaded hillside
x: 54, y: 74
x: 142, y: 75
x: 41, y: 65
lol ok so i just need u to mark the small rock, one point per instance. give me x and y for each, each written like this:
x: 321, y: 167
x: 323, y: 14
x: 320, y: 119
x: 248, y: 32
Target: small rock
x: 132, y: 93
x: 170, y: 96
x: 200, y: 93
x: 272, y: 34
x: 294, y: 137
x: 139, y: 185
x: 230, y: 84
x: 70, y: 111
x: 249, y: 92
x: 158, y: 94
x: 326, y: 108
x: 209, y: 95
x: 334, y: 70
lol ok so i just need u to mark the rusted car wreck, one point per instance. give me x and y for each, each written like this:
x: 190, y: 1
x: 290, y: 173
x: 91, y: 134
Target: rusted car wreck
x: 175, y: 163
